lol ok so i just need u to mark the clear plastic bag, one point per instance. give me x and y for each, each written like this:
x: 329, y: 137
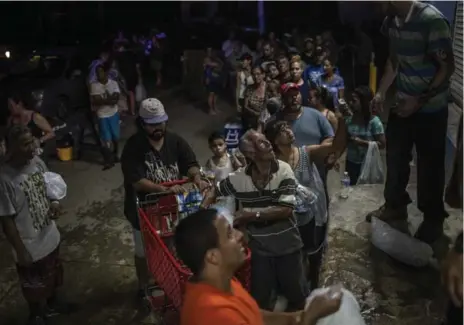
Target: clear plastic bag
x: 349, y: 312
x: 372, y: 168
x: 311, y: 197
x: 223, y: 210
x: 399, y: 245
x: 56, y: 186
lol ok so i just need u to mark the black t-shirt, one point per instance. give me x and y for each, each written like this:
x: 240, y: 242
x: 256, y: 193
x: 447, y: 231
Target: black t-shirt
x: 139, y: 160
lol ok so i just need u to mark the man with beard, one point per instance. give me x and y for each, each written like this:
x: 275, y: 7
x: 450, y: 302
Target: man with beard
x: 421, y: 61
x: 284, y: 69
x: 266, y: 190
x: 151, y: 157
x: 268, y: 56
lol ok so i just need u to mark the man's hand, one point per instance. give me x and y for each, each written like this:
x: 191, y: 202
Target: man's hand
x: 55, y: 210
x: 321, y: 306
x: 24, y: 257
x: 201, y: 183
x: 408, y: 106
x: 241, y: 218
x: 377, y: 103
x: 452, y: 277
x: 177, y: 189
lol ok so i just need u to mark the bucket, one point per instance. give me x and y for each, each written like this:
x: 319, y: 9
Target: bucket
x: 65, y: 153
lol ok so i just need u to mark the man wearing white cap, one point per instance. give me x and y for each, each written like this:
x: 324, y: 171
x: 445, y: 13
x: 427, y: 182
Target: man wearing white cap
x: 150, y: 158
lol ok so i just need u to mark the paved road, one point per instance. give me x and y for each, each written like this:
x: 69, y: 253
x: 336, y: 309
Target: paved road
x: 97, y: 241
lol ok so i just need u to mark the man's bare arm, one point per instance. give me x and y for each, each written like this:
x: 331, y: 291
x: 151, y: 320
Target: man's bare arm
x: 389, y: 75
x: 146, y: 186
x: 444, y: 60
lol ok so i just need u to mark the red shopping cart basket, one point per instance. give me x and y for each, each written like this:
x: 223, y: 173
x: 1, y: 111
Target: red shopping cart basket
x: 159, y: 214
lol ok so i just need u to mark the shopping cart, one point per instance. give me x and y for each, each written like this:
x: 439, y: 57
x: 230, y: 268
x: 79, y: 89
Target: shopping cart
x: 159, y: 214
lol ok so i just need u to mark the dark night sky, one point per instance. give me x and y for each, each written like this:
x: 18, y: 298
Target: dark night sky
x: 78, y: 19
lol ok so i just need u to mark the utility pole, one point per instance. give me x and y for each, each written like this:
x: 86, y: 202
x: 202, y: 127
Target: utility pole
x: 261, y: 17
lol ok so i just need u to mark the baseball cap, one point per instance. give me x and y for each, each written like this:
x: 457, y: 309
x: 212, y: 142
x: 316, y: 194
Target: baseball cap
x: 152, y: 111
x: 286, y: 87
x: 245, y: 56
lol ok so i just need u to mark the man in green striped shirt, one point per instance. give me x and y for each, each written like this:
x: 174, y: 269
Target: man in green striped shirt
x: 421, y: 63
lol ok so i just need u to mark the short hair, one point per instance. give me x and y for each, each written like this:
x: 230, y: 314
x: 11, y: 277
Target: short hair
x: 13, y: 133
x: 194, y: 237
x: 246, y: 142
x: 215, y: 136
x: 324, y: 95
x: 281, y: 57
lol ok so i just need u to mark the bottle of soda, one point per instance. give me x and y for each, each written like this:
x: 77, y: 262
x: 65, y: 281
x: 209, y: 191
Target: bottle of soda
x: 345, y: 181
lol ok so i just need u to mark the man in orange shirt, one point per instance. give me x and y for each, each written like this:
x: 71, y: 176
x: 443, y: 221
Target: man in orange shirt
x: 213, y: 250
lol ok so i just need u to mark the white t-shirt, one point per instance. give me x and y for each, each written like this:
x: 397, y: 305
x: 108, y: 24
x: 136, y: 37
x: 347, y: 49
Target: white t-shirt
x: 111, y: 87
x: 23, y: 196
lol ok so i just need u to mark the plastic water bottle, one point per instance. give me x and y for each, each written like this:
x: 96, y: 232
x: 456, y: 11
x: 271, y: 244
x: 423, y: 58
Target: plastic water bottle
x: 345, y: 191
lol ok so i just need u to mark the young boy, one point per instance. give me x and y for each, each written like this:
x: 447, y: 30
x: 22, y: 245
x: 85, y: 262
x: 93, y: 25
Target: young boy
x: 104, y: 94
x: 222, y: 163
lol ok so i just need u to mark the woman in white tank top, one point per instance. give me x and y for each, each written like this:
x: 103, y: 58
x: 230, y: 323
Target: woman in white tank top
x: 244, y: 79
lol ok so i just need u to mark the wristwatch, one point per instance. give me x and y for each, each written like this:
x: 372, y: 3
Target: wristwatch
x: 258, y: 215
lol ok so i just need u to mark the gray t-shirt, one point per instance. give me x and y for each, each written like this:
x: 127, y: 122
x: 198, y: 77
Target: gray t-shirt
x: 23, y: 196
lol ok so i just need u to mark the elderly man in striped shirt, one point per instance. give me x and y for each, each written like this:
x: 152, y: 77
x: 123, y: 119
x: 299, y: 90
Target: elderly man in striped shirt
x: 266, y: 191
x: 421, y: 60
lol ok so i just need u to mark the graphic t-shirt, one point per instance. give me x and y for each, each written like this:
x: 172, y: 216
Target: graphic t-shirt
x: 140, y: 160
x: 23, y: 196
x: 206, y: 305
x: 99, y: 89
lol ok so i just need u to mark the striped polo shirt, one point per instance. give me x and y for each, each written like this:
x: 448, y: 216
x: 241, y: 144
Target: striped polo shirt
x: 267, y: 238
x: 412, y: 45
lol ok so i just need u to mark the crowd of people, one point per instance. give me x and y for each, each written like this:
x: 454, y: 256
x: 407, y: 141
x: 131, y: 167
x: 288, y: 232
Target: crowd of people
x: 297, y: 122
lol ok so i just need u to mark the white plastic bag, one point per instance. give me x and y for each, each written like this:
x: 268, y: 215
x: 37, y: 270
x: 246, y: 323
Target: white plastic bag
x: 348, y: 314
x: 56, y: 186
x: 224, y: 211
x: 140, y: 92
x: 372, y: 167
x: 399, y: 245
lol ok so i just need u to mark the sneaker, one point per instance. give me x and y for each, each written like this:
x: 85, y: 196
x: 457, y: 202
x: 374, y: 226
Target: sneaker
x: 387, y: 214
x: 36, y: 320
x: 429, y: 231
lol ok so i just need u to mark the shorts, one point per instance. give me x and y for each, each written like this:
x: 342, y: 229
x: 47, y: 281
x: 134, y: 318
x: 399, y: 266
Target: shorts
x: 139, y: 249
x: 214, y: 86
x: 40, y: 280
x: 109, y: 128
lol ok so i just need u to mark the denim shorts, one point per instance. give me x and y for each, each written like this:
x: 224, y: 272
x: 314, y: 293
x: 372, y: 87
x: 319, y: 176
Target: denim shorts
x: 109, y: 128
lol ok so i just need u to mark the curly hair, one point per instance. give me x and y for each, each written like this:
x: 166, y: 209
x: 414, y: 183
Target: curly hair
x: 273, y: 130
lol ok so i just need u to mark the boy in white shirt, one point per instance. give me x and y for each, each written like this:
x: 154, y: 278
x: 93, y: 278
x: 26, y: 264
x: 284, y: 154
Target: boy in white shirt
x: 104, y: 94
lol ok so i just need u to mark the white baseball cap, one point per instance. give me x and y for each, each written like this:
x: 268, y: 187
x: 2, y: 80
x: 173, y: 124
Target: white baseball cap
x: 152, y: 111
